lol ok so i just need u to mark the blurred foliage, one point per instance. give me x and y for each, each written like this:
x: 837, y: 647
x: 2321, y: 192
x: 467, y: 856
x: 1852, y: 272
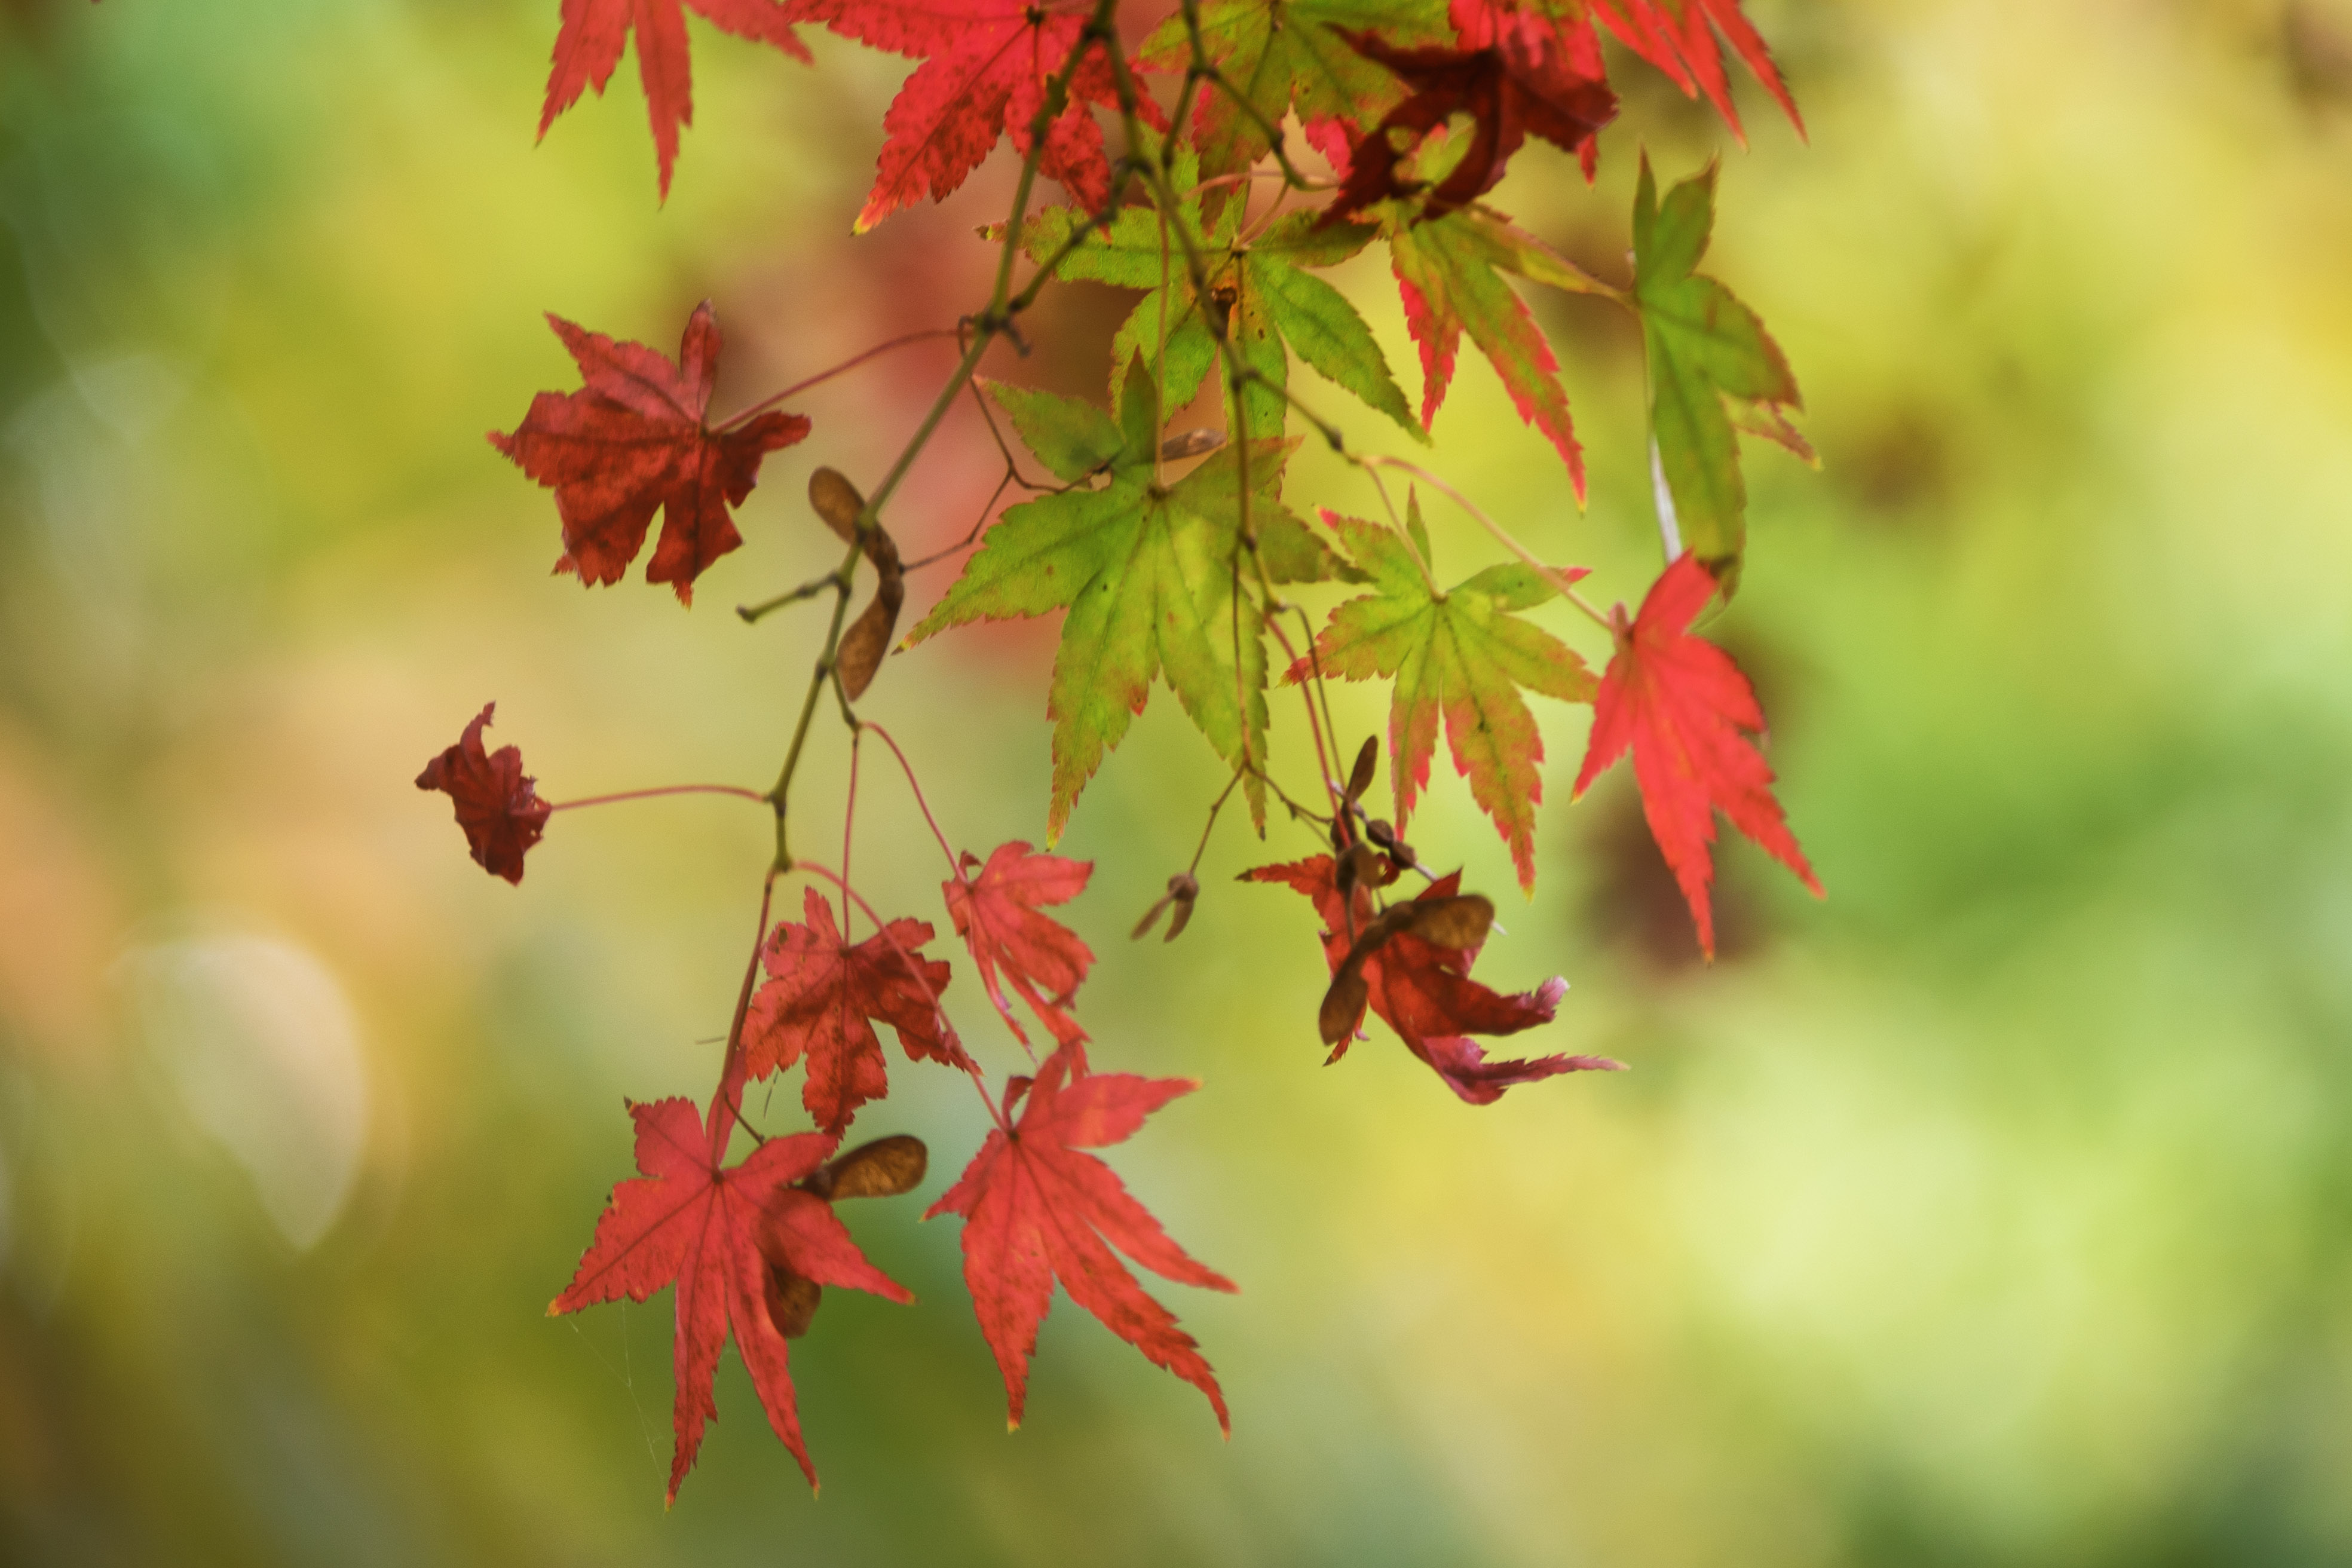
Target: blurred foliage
x: 1994, y: 1211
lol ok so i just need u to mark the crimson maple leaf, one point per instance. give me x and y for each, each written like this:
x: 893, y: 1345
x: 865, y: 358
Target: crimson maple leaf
x: 820, y: 1002
x: 723, y: 1237
x: 634, y: 438
x: 985, y: 68
x: 1681, y: 705
x: 996, y: 914
x: 1423, y: 990
x: 1527, y: 82
x: 1035, y: 1210
x: 497, y: 804
x: 588, y: 47
x: 1675, y: 37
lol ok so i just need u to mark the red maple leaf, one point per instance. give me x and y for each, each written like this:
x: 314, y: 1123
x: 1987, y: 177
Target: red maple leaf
x: 633, y: 439
x: 1681, y: 705
x: 723, y: 1237
x: 1525, y: 81
x: 588, y: 47
x: 821, y: 998
x: 1423, y: 990
x: 996, y: 914
x: 497, y: 804
x: 1035, y: 1210
x: 1675, y: 37
x: 985, y: 66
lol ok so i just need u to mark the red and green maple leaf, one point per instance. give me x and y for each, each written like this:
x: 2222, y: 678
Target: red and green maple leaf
x: 1276, y: 56
x: 996, y: 914
x: 1686, y: 712
x: 986, y: 67
x: 1462, y: 653
x: 821, y: 1001
x: 497, y: 805
x: 1424, y: 991
x: 723, y: 1238
x: 1037, y: 1209
x: 633, y: 439
x: 588, y: 46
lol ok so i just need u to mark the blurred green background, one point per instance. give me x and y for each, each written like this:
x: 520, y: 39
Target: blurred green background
x: 1997, y: 1210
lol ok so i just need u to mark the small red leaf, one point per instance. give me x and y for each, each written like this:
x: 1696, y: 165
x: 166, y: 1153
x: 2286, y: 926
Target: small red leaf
x: 1685, y: 710
x: 635, y: 439
x: 1036, y: 1210
x: 497, y: 804
x: 996, y: 914
x: 821, y: 998
x: 721, y: 1238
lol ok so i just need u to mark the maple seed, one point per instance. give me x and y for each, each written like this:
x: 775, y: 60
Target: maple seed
x: 882, y: 1169
x: 1192, y: 443
x: 1182, y: 889
x: 838, y: 503
x: 1359, y: 778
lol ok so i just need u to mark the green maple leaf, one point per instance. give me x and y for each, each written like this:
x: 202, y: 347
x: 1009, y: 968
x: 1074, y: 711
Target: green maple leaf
x: 1148, y: 572
x: 1704, y: 347
x: 1462, y: 653
x: 1278, y: 55
x: 1272, y: 307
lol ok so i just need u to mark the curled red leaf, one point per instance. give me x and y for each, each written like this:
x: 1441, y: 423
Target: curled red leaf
x: 730, y: 1241
x: 497, y: 804
x: 1686, y: 712
x: 633, y: 439
x: 1421, y: 987
x: 1035, y: 1210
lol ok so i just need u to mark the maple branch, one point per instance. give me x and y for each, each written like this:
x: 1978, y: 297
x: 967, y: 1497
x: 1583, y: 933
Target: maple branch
x: 820, y: 377
x: 1003, y: 307
x: 750, y: 794
x: 1551, y: 575
x: 971, y: 538
x: 753, y: 614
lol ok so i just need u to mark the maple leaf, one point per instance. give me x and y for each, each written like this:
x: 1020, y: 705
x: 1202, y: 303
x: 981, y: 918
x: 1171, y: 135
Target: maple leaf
x: 996, y: 914
x: 1271, y: 306
x: 986, y: 67
x: 1704, y: 347
x: 720, y: 1236
x: 588, y: 47
x: 1423, y: 989
x: 1526, y: 83
x: 1449, y: 273
x: 1035, y: 1209
x: 633, y: 439
x: 821, y: 998
x: 1147, y: 575
x: 1274, y: 56
x: 496, y: 805
x: 1675, y: 37
x: 1682, y: 706
x: 1462, y: 653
